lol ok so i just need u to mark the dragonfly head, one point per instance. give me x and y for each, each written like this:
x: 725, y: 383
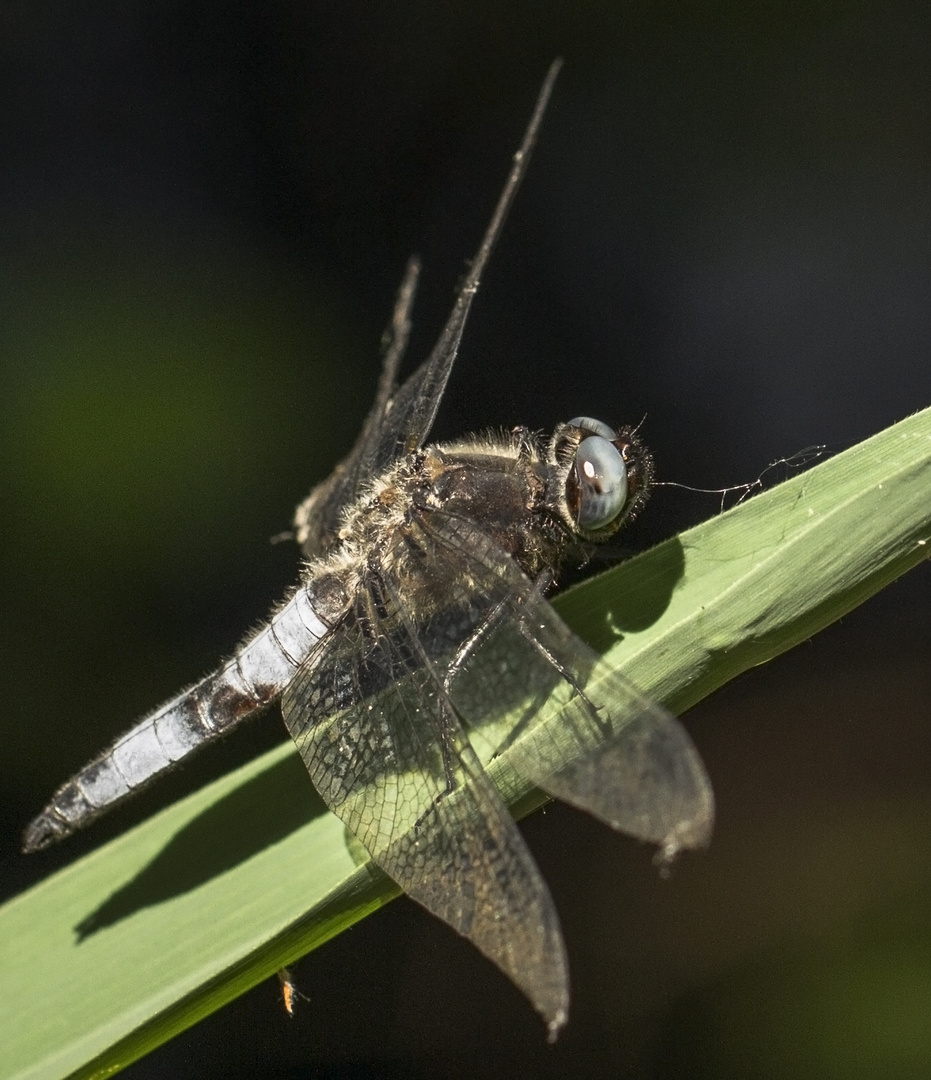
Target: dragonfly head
x: 602, y: 476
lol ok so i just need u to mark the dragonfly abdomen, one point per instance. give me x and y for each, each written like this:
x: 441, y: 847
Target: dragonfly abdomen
x: 251, y: 679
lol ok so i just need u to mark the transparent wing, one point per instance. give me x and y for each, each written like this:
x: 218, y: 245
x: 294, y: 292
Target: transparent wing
x: 575, y: 727
x: 318, y: 517
x: 400, y: 419
x: 387, y: 752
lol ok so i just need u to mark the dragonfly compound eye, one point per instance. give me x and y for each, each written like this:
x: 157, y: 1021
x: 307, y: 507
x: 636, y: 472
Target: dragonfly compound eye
x: 602, y: 478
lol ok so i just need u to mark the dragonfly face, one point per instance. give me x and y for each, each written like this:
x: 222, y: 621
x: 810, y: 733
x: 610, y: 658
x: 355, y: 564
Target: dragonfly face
x: 419, y: 617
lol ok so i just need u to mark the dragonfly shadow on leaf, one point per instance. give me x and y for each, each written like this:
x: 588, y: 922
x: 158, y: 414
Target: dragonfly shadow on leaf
x: 248, y: 820
x: 605, y: 608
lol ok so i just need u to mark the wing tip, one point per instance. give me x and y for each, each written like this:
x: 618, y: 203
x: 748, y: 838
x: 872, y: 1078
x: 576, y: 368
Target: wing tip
x: 555, y: 1023
x: 688, y: 834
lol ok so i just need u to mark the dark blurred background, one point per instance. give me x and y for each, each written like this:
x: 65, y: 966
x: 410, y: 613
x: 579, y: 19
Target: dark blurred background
x: 205, y: 210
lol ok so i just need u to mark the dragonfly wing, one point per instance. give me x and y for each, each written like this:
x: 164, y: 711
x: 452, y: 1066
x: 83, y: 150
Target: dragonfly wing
x: 401, y: 417
x: 414, y: 407
x: 387, y: 752
x: 574, y: 726
x: 317, y: 519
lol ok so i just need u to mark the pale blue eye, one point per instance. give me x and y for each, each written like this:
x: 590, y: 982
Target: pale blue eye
x: 594, y: 427
x: 602, y: 478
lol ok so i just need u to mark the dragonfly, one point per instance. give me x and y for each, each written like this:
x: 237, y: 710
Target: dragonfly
x: 421, y: 617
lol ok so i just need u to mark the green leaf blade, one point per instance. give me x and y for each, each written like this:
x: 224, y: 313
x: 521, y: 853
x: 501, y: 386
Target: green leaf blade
x: 115, y: 954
